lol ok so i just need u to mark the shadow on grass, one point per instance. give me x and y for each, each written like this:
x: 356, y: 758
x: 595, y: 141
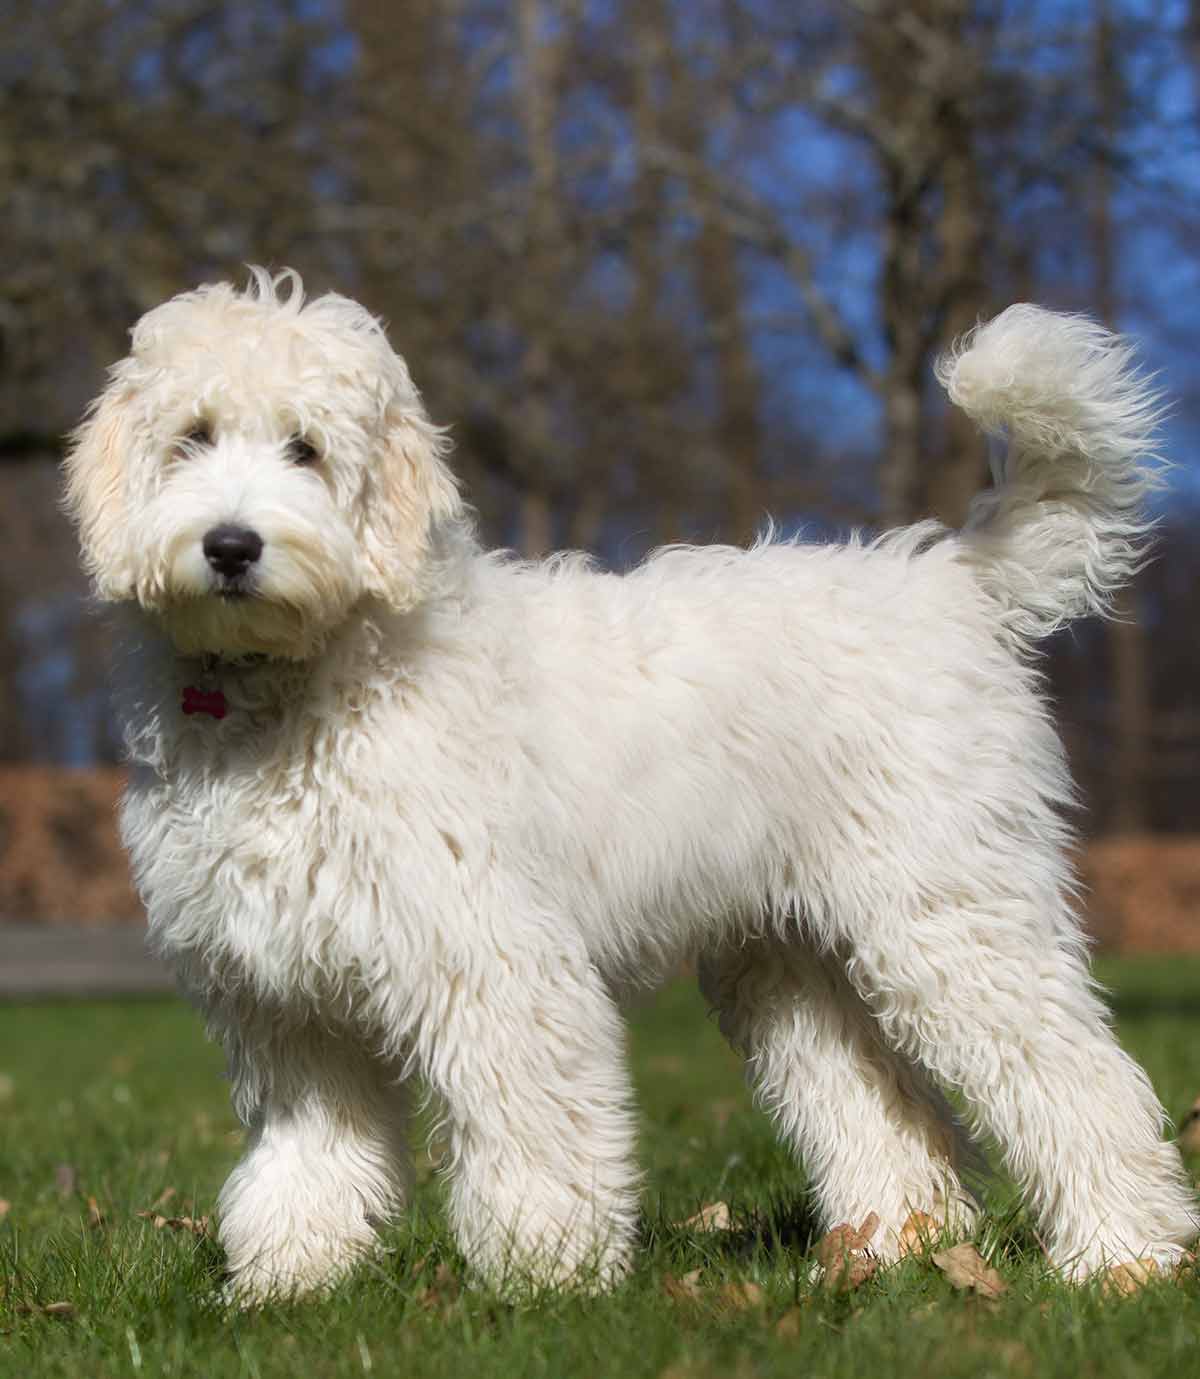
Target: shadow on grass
x: 1136, y: 1005
x: 785, y: 1224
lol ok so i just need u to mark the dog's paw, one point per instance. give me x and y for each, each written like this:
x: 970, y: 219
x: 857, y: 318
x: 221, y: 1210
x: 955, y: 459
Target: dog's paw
x: 297, y: 1268
x: 1124, y: 1272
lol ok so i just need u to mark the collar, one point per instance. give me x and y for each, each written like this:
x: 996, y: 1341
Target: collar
x: 197, y: 700
x: 205, y: 698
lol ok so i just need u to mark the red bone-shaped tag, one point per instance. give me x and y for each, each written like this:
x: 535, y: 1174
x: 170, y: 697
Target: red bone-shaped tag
x: 197, y: 700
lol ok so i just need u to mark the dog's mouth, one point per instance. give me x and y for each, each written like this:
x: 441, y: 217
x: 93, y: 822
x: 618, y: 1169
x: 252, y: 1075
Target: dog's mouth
x: 234, y: 590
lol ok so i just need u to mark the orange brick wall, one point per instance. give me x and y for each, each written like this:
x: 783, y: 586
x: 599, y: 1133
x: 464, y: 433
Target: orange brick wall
x: 60, y: 858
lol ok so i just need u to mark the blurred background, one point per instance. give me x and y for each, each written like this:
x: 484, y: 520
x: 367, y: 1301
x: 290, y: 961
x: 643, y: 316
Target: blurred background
x: 664, y: 266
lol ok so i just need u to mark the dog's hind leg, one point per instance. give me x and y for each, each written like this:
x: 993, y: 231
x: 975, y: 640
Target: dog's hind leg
x: 998, y: 1003
x: 873, y: 1132
x: 327, y: 1160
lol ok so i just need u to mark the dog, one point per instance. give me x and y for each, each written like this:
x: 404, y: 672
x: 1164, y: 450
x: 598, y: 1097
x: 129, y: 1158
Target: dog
x: 401, y: 808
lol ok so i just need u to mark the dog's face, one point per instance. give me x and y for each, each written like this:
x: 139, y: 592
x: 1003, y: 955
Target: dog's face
x: 255, y: 468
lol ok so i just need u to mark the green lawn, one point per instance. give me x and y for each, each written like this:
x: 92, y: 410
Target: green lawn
x: 123, y: 1101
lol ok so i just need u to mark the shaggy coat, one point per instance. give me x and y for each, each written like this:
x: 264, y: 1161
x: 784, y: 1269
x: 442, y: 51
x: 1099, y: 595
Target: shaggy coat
x: 401, y: 808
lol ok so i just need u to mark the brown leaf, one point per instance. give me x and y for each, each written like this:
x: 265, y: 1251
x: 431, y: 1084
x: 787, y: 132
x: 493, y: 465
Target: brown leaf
x: 64, y: 1179
x: 95, y: 1214
x: 918, y: 1234
x: 845, y: 1257
x: 1123, y: 1280
x: 850, y: 1273
x: 685, y: 1289
x: 442, y: 1292
x: 195, y: 1225
x: 5, y: 1207
x: 741, y: 1295
x: 845, y: 1240
x: 713, y: 1217
x: 966, y: 1268
x: 790, y: 1324
x: 50, y: 1309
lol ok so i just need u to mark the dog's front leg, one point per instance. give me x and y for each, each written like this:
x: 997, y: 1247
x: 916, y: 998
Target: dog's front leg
x: 528, y: 1055
x: 327, y: 1159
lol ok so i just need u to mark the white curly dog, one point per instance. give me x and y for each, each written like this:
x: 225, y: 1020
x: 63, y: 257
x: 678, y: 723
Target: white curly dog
x: 402, y: 808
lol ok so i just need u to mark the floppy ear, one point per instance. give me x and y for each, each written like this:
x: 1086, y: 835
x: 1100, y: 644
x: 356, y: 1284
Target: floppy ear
x: 94, y: 497
x: 410, y: 490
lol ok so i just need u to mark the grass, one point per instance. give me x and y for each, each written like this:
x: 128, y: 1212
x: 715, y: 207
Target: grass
x: 122, y: 1101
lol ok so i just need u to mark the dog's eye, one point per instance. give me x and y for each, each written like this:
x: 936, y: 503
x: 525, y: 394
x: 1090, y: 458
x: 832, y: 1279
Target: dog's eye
x: 200, y: 434
x: 301, y: 451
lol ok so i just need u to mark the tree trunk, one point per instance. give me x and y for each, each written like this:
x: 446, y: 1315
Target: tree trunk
x: 960, y: 470
x: 718, y: 280
x: 1126, y: 637
x: 538, y: 95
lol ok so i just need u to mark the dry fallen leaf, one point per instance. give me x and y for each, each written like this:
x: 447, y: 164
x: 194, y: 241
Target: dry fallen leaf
x: 790, y: 1324
x: 5, y: 1207
x: 1123, y: 1280
x: 917, y: 1234
x: 850, y: 1273
x: 685, y: 1289
x: 713, y: 1217
x: 95, y: 1214
x: 442, y: 1292
x: 845, y: 1257
x: 845, y: 1239
x: 195, y: 1225
x: 50, y: 1309
x: 966, y: 1268
x: 741, y: 1295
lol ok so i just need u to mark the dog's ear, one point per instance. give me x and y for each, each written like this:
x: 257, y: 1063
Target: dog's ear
x: 410, y: 491
x: 94, y: 496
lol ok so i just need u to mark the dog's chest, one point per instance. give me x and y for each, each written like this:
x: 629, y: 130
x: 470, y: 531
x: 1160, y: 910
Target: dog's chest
x: 257, y: 861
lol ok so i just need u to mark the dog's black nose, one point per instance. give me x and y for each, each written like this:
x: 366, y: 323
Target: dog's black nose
x: 232, y: 550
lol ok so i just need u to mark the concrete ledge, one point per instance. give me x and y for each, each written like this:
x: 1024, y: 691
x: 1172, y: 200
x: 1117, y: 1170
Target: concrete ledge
x: 71, y: 960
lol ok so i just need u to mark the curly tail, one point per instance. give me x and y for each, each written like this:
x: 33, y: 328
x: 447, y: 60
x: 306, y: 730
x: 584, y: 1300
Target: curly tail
x: 1066, y: 524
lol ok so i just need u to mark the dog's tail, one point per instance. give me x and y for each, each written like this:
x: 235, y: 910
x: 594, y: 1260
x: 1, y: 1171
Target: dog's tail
x: 1066, y: 523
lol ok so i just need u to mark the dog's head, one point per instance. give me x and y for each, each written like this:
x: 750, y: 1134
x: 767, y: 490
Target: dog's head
x: 256, y: 467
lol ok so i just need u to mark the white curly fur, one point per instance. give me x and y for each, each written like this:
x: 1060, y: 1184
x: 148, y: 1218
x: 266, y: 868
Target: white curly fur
x: 458, y: 801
